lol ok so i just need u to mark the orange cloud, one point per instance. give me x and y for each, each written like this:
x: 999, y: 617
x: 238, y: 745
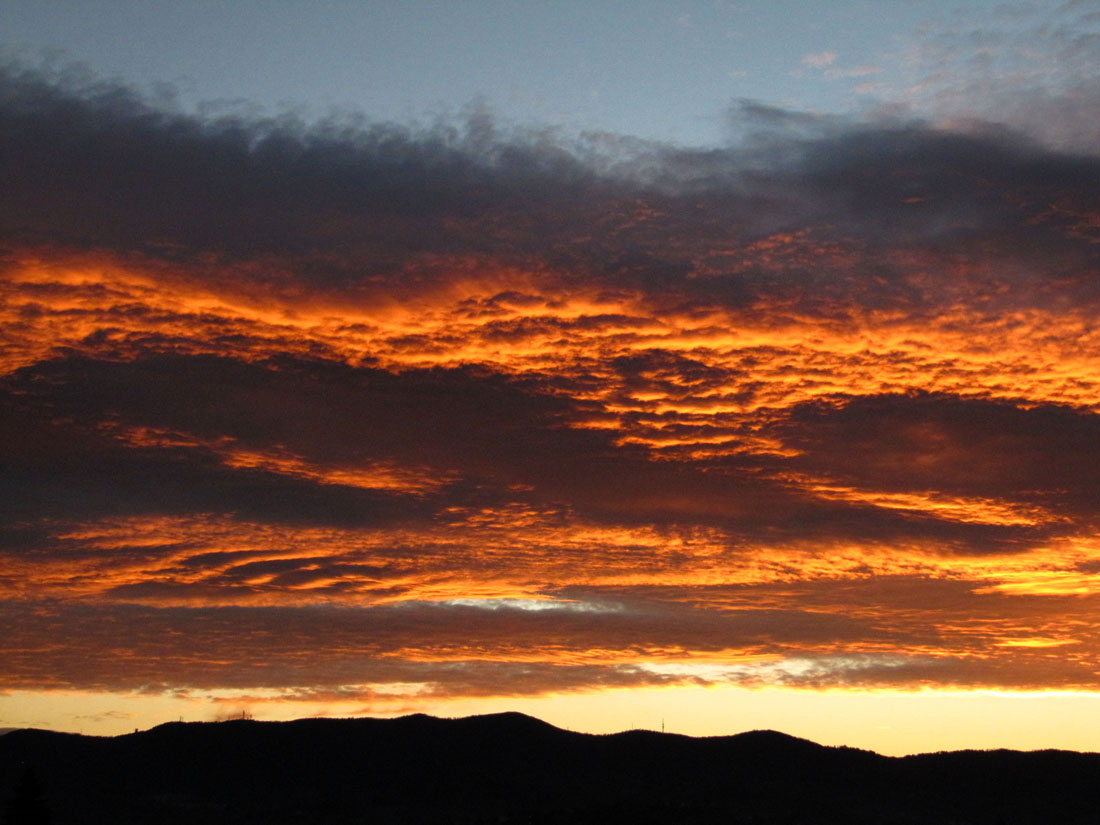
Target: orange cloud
x: 385, y: 418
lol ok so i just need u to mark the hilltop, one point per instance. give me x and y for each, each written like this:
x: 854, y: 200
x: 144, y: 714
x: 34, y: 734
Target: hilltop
x: 511, y: 768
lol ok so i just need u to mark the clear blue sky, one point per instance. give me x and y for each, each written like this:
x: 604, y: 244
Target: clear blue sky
x: 660, y: 70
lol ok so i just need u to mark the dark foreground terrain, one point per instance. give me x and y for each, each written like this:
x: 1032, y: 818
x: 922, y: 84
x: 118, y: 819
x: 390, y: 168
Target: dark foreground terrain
x: 510, y: 768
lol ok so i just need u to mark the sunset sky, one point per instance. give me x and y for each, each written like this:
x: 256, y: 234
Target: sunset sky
x: 731, y: 364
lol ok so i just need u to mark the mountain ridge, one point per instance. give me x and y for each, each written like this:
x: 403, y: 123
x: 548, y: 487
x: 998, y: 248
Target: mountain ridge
x: 509, y: 767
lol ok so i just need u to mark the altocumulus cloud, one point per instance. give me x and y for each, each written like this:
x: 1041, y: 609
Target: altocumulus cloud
x: 324, y: 409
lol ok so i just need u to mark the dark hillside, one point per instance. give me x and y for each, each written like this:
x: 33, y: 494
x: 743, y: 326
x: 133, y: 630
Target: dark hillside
x: 511, y: 768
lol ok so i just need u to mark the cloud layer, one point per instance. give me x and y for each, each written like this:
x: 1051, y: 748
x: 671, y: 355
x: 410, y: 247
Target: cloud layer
x: 357, y: 410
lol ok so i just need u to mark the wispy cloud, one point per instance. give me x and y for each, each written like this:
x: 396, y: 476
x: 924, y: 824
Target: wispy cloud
x: 834, y: 73
x: 1030, y: 67
x: 819, y: 60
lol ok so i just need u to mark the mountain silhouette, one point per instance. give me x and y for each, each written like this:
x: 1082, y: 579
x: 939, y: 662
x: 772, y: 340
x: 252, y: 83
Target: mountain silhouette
x: 511, y: 768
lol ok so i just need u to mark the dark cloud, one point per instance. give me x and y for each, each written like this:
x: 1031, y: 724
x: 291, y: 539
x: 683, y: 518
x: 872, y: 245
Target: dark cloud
x: 334, y: 203
x: 490, y: 439
x: 354, y: 412
x: 86, y: 474
x: 96, y: 166
x: 1043, y: 454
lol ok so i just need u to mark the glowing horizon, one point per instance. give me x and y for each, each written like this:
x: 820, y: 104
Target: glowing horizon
x: 892, y: 723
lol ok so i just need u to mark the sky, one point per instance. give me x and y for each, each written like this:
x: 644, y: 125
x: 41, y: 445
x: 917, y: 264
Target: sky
x: 713, y: 366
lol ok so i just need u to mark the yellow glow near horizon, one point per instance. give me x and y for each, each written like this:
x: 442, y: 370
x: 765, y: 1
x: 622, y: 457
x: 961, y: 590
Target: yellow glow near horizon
x: 890, y: 722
